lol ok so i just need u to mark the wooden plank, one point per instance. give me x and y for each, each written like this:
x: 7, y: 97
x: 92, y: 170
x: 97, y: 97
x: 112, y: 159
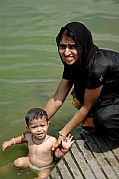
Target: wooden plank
x: 114, y: 147
x: 83, y: 166
x: 88, y: 155
x: 109, y: 172
x: 54, y: 174
x: 63, y: 171
x: 109, y: 155
x: 76, y: 174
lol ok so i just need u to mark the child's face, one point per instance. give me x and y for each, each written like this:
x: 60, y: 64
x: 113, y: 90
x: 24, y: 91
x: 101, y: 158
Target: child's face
x: 39, y: 127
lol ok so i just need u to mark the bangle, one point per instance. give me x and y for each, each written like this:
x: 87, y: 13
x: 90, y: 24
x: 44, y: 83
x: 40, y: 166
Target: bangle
x: 64, y: 150
x: 13, y: 139
x: 62, y: 134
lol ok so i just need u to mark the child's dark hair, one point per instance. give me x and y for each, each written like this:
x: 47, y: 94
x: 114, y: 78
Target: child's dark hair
x: 35, y: 113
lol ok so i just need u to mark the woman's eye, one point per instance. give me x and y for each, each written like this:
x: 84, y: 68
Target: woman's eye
x: 62, y: 46
x: 70, y: 46
x: 73, y: 46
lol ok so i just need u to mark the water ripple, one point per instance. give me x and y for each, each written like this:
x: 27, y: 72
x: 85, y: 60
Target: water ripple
x: 26, y: 81
x: 21, y: 65
x: 107, y: 37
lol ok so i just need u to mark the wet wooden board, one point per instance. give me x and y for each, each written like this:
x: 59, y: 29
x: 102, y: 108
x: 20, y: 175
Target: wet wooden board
x: 90, y: 157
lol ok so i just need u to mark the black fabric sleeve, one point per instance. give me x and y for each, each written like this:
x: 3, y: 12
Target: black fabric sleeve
x: 96, y: 72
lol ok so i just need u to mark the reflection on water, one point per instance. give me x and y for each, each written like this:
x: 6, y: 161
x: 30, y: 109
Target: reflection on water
x: 30, y: 68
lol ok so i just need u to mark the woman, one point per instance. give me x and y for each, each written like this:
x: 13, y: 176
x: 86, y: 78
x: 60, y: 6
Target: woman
x: 94, y: 74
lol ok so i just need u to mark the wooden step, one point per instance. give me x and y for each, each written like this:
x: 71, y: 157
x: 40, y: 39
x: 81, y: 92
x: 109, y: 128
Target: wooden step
x: 90, y: 157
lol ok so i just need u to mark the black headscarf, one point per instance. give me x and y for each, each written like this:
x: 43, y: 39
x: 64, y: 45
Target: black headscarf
x: 82, y: 36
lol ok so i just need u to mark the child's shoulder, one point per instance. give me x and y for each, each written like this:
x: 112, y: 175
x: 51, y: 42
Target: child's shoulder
x: 51, y: 138
x: 26, y: 135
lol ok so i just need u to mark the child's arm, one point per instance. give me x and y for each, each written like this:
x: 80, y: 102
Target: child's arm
x: 13, y: 141
x: 65, y: 145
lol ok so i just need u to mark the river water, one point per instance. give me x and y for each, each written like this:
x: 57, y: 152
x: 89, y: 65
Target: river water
x: 30, y: 67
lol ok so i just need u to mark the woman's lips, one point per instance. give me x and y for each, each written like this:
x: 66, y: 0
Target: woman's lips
x: 68, y: 59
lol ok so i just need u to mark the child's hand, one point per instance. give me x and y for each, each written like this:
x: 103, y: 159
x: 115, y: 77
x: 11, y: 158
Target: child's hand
x: 67, y: 142
x: 5, y: 145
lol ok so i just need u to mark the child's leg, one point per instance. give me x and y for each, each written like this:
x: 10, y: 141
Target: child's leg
x: 22, y: 162
x: 43, y: 174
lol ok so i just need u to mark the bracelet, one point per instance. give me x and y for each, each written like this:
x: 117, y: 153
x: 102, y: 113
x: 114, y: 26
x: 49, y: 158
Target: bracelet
x: 64, y: 150
x: 13, y: 139
x: 62, y: 134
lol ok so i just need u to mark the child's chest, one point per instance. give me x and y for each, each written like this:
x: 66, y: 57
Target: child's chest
x: 44, y: 148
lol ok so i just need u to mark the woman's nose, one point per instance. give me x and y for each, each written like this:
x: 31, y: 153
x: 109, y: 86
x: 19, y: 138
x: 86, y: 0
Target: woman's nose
x: 67, y: 51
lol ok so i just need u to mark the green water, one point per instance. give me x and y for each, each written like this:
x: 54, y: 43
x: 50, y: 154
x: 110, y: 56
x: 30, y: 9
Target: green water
x: 30, y: 67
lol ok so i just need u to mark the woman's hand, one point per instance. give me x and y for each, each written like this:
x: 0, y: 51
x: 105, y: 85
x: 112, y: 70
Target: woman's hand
x: 59, y: 142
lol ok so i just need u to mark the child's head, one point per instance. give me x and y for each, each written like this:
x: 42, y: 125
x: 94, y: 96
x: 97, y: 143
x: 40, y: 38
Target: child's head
x: 35, y: 113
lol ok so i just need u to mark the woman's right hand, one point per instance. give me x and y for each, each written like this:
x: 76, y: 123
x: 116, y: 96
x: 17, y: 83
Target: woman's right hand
x: 58, y: 143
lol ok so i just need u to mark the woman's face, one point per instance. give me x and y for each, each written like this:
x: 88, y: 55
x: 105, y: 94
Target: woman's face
x: 68, y: 50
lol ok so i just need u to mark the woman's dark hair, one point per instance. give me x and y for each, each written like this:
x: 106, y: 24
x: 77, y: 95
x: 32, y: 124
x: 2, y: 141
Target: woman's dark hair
x: 79, y: 32
x: 35, y: 113
x: 65, y: 31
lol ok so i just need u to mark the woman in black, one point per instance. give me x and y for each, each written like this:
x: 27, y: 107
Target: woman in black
x: 94, y: 75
